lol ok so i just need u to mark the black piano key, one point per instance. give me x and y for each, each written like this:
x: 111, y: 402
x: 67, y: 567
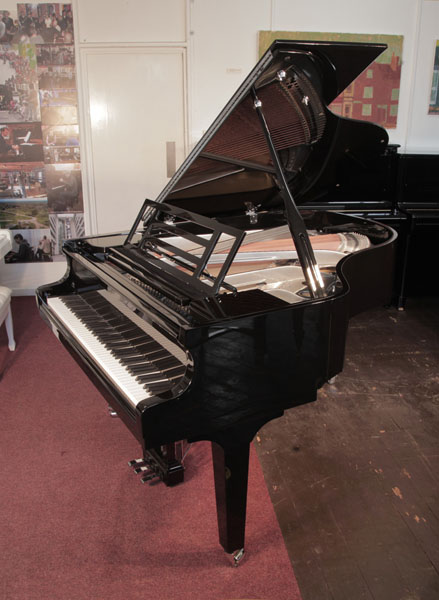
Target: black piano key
x: 146, y: 348
x: 165, y: 363
x: 155, y: 385
x: 131, y: 359
x: 110, y: 337
x: 175, y: 372
x: 139, y: 367
x: 143, y: 369
x: 134, y: 339
x: 117, y: 354
x: 123, y: 358
x: 112, y: 342
x: 123, y: 325
x: 129, y: 351
x: 158, y: 388
x: 135, y: 359
x: 158, y: 354
x: 151, y: 364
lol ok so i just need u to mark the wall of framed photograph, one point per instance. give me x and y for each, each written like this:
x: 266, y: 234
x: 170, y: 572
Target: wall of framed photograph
x: 41, y: 199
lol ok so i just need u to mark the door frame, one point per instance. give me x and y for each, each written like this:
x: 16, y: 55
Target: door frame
x: 84, y: 113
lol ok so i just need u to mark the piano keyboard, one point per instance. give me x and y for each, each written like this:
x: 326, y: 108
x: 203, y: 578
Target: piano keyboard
x: 137, y: 364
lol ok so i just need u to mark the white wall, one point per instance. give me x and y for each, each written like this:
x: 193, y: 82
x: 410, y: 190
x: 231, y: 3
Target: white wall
x: 423, y: 129
x: 131, y: 21
x: 224, y: 49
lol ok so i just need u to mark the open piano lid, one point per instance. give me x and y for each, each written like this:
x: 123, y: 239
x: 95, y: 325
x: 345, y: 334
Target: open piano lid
x: 272, y: 144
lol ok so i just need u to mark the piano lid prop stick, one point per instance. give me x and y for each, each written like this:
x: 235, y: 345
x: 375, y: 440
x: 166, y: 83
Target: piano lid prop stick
x: 297, y: 227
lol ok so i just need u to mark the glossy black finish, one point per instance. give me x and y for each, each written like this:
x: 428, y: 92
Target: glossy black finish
x: 284, y: 352
x: 398, y: 190
x: 418, y: 200
x: 231, y: 165
x: 164, y: 463
x: 250, y: 355
x: 230, y: 469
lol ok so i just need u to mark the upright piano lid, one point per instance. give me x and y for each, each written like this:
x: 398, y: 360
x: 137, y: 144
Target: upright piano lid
x: 268, y: 146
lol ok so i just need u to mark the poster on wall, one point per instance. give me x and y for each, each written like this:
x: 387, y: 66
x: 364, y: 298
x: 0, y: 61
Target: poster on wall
x: 21, y: 142
x: 433, y: 108
x: 374, y: 94
x: 19, y: 100
x: 44, y: 24
x: 61, y: 144
x: 40, y: 169
x: 24, y: 210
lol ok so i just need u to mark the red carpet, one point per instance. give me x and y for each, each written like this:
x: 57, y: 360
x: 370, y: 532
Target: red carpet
x: 76, y: 523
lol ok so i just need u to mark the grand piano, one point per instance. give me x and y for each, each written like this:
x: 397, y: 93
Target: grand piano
x: 226, y: 303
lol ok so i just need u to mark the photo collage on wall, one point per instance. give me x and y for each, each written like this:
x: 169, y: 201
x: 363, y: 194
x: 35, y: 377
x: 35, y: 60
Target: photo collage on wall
x: 41, y: 198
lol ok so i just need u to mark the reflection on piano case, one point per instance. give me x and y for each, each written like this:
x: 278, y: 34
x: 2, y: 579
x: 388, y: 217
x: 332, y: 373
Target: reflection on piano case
x: 225, y: 304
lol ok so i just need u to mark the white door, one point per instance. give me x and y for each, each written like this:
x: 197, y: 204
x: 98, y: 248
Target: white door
x: 136, y: 115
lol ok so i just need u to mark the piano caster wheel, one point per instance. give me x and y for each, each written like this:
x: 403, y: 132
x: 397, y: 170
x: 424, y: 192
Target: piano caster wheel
x: 112, y: 412
x: 332, y: 380
x: 237, y: 557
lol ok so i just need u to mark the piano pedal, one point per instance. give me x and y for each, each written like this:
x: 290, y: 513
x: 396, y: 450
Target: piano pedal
x: 112, y: 412
x: 140, y: 465
x: 141, y: 469
x: 137, y: 462
x: 149, y: 477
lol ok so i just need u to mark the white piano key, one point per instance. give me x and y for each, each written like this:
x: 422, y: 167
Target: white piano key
x: 113, y: 368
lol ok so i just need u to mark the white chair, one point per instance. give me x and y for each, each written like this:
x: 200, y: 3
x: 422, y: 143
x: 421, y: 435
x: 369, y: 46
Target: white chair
x: 6, y: 315
x: 5, y: 293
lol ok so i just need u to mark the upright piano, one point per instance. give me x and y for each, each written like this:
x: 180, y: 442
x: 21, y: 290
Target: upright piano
x: 417, y: 198
x: 226, y: 303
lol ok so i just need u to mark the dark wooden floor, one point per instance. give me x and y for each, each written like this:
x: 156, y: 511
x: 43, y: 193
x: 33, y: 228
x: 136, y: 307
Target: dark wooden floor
x: 354, y: 477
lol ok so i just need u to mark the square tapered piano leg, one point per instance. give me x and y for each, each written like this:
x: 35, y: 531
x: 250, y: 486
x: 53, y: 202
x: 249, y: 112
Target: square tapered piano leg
x: 230, y: 467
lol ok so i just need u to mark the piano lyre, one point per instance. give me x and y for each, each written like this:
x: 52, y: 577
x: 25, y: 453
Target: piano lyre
x: 226, y: 304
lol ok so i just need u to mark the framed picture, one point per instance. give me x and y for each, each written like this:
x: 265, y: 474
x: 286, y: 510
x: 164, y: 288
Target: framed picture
x: 374, y: 94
